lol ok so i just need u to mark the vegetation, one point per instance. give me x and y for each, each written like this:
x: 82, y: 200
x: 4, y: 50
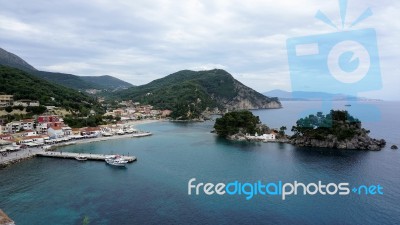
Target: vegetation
x: 66, y: 80
x: 188, y: 93
x: 90, y: 121
x: 82, y: 82
x: 25, y: 86
x: 237, y: 122
x: 106, y: 82
x: 338, y: 123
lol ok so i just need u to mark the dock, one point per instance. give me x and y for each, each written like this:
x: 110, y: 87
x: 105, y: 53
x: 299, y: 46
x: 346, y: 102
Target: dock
x: 89, y: 156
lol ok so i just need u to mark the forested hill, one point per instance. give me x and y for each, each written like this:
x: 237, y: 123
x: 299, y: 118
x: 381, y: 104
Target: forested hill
x: 188, y: 93
x: 68, y: 80
x: 25, y: 86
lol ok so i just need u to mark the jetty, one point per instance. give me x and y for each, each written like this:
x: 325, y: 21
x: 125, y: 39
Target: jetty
x: 89, y: 156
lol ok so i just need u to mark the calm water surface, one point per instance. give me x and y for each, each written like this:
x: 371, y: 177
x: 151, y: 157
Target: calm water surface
x: 153, y: 190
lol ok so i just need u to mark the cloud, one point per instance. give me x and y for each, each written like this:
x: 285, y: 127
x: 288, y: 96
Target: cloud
x: 142, y: 40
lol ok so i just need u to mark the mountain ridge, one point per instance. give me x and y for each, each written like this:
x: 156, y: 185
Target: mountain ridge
x: 23, y: 85
x: 68, y: 80
x: 12, y: 60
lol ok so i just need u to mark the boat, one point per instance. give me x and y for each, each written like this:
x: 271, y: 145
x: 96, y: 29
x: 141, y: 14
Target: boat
x: 106, y: 134
x: 141, y: 134
x: 120, y: 132
x: 348, y: 105
x: 130, y: 131
x: 116, y: 162
x: 81, y: 158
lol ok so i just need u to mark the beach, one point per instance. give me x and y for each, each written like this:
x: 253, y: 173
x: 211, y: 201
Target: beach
x: 22, y: 154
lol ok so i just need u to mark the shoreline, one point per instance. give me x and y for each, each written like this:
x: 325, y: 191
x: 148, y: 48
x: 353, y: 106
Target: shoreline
x: 24, y: 154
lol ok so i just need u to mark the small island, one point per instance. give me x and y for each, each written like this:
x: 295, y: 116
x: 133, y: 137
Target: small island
x: 337, y: 130
x: 241, y: 125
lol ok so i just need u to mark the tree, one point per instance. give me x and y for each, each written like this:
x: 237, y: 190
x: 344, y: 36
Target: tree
x: 337, y: 123
x: 9, y: 109
x: 237, y: 122
x: 282, y: 130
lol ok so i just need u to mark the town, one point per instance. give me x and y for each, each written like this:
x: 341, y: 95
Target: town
x: 50, y: 128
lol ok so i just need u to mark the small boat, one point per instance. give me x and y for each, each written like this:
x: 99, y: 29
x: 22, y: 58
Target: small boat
x: 81, y: 158
x: 129, y: 131
x: 106, y: 134
x: 348, y: 105
x: 116, y: 162
x: 141, y: 134
x: 120, y: 132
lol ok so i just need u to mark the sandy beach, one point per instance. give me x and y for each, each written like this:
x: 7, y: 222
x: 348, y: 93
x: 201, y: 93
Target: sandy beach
x: 16, y: 156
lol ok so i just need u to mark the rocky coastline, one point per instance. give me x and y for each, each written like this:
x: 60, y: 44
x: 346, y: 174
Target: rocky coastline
x: 356, y: 143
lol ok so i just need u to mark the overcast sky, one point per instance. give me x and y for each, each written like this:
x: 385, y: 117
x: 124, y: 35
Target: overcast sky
x: 142, y: 40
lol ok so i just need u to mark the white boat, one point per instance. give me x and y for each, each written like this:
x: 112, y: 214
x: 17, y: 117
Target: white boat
x: 142, y: 134
x: 120, y: 132
x: 129, y: 131
x: 116, y: 162
x: 81, y: 158
x: 46, y: 147
x: 106, y: 134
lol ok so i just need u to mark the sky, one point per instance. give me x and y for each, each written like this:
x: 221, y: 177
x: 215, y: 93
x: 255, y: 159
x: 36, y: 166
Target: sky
x: 142, y: 40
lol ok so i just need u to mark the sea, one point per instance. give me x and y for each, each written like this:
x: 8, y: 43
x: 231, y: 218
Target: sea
x: 154, y: 189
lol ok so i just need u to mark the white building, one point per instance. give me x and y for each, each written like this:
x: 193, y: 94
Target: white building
x: 13, y: 127
x: 67, y: 131
x: 55, y: 132
x: 270, y: 136
x: 27, y: 124
x: 26, y: 103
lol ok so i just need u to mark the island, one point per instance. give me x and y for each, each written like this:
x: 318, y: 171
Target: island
x: 243, y: 125
x: 336, y: 130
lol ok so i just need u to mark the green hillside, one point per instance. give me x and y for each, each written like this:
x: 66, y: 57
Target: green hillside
x: 189, y: 93
x: 68, y: 80
x: 107, y: 82
x: 25, y: 86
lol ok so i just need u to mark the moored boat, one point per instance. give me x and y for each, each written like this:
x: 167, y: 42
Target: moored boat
x: 81, y: 158
x: 116, y: 162
x: 141, y: 134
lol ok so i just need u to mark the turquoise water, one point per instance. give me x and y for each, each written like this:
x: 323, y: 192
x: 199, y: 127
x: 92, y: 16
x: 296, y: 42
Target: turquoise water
x: 153, y: 190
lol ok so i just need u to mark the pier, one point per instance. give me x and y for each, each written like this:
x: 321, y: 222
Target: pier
x: 89, y: 156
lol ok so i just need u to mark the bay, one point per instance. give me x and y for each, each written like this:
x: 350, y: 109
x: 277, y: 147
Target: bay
x: 154, y: 189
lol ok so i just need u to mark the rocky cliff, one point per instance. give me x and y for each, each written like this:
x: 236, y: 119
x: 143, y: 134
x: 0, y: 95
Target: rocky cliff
x: 358, y: 142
